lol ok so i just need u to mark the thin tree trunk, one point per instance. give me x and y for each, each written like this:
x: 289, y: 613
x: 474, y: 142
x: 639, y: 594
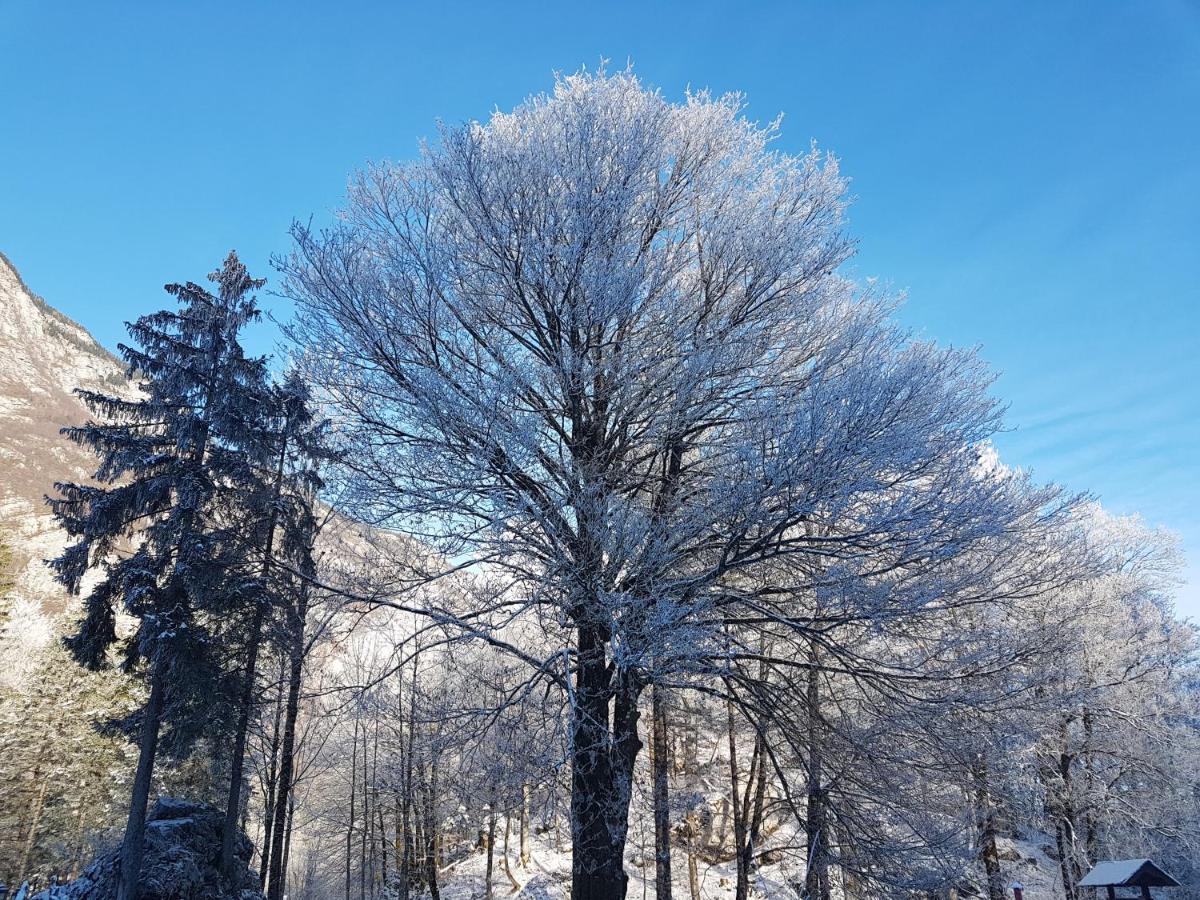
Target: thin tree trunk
x: 233, y: 804
x: 431, y: 832
x: 353, y: 792
x: 742, y: 886
x: 754, y: 832
x: 364, y: 838
x: 1070, y: 863
x: 135, y: 826
x: 283, y: 792
x: 662, y: 801
x: 409, y: 847
x: 523, y: 860
x: 516, y: 885
x: 986, y: 821
x: 35, y: 820
x: 491, y: 851
x: 693, y: 831
x: 1091, y: 836
x: 269, y: 804
x: 383, y: 846
x: 1064, y: 861
x: 816, y: 881
x: 287, y: 843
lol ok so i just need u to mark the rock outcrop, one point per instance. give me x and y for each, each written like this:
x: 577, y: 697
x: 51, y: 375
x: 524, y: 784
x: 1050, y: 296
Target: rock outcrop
x: 180, y: 861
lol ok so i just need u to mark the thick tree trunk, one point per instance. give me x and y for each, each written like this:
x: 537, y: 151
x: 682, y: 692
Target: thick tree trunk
x: 602, y: 760
x: 135, y: 826
x: 662, y: 800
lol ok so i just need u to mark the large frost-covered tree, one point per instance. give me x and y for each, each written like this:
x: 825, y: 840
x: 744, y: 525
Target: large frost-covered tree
x: 164, y: 519
x: 601, y: 344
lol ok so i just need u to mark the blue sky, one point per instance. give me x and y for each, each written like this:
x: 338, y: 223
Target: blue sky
x: 1028, y: 172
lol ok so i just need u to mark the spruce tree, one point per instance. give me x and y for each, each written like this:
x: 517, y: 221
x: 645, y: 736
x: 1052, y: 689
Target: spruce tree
x: 163, y: 521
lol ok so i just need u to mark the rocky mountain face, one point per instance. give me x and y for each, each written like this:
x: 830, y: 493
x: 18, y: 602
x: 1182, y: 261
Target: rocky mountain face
x: 44, y: 356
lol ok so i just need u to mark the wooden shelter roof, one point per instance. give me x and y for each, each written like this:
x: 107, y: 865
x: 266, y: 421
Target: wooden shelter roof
x: 1127, y: 873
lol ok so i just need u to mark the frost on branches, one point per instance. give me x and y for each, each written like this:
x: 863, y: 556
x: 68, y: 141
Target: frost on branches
x: 600, y: 345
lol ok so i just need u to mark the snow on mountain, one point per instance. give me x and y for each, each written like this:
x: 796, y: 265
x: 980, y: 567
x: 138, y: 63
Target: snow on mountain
x: 44, y: 356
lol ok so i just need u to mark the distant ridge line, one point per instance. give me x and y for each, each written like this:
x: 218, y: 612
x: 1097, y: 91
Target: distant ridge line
x: 44, y: 305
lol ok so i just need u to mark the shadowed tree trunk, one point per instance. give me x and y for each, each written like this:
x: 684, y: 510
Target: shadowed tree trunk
x: 269, y: 806
x: 287, y: 843
x: 233, y: 804
x: 986, y: 822
x: 816, y: 877
x: 353, y: 794
x: 297, y: 616
x: 491, y: 848
x: 431, y: 831
x: 602, y: 758
x: 662, y: 800
x: 131, y: 846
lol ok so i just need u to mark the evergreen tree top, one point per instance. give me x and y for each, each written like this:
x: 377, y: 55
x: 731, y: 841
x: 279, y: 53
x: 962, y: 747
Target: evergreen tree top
x: 176, y: 462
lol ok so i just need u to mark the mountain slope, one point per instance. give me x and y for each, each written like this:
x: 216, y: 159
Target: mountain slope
x: 44, y: 356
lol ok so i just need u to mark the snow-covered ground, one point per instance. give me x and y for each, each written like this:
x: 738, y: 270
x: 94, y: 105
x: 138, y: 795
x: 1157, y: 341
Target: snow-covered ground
x: 548, y: 876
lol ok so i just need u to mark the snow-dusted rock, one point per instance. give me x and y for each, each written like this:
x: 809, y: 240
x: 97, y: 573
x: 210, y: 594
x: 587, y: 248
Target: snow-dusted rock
x: 180, y: 862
